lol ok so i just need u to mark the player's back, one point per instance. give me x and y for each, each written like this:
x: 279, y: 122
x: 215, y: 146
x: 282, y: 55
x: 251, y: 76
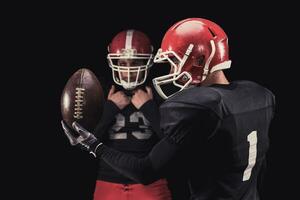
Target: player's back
x: 229, y: 137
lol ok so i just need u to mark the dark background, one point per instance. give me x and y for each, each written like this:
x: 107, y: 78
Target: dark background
x: 52, y: 41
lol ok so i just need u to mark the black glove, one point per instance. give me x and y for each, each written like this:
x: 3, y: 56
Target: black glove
x: 84, y: 139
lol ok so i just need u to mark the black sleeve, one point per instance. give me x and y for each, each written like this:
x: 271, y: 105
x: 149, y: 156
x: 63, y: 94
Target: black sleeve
x: 151, y: 111
x: 183, y: 126
x: 108, y: 116
x: 143, y: 170
x: 146, y: 170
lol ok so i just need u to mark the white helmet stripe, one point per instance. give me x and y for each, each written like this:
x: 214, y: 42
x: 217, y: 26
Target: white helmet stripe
x: 221, y: 66
x: 128, y: 41
x: 212, y: 54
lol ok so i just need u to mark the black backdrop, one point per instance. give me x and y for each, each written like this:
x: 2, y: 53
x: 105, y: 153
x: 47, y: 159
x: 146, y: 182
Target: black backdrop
x: 53, y: 41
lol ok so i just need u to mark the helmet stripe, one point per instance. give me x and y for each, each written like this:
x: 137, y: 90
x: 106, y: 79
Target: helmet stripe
x: 128, y: 43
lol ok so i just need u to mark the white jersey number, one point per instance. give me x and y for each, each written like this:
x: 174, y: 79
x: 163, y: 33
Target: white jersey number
x: 252, y: 139
x: 115, y: 133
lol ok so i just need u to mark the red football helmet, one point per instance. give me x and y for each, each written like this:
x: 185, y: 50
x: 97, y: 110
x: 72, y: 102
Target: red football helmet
x: 194, y: 48
x: 130, y: 55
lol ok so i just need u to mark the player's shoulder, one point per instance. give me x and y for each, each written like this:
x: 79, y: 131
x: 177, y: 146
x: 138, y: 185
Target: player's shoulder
x: 191, y: 106
x: 254, y: 86
x: 253, y: 89
x: 244, y: 96
x: 220, y: 97
x: 194, y: 99
x: 196, y: 95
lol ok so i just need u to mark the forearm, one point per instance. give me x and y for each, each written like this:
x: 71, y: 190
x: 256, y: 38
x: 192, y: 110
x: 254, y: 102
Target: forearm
x: 143, y: 170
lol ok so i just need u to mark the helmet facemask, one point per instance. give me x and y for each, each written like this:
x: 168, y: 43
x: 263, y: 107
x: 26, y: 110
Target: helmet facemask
x: 180, y: 79
x: 134, y: 71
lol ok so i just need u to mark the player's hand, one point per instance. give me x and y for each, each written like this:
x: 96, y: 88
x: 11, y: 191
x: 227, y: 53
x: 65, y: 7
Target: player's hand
x: 78, y: 136
x: 119, y: 98
x: 140, y: 97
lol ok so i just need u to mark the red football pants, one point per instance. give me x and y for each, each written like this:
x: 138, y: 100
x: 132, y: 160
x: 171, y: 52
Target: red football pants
x: 114, y: 191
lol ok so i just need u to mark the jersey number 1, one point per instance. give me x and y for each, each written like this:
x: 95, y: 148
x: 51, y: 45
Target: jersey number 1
x: 252, y: 139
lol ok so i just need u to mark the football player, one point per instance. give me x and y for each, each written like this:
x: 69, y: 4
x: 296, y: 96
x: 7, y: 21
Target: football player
x: 219, y: 129
x: 130, y: 120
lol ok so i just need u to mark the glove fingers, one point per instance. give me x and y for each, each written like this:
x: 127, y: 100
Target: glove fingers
x: 68, y: 133
x: 82, y: 131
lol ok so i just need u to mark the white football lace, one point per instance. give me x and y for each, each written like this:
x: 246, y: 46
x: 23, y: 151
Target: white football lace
x: 78, y: 111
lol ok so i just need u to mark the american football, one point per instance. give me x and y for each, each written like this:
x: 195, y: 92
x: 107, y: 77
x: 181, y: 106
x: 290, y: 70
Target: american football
x: 82, y: 99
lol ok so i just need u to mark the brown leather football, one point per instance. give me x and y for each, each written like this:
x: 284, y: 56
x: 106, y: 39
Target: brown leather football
x: 82, y: 99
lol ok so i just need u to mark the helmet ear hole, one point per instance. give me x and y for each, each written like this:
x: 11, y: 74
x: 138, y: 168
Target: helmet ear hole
x: 200, y: 60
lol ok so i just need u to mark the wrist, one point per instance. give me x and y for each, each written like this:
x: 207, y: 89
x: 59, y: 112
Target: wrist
x: 95, y: 148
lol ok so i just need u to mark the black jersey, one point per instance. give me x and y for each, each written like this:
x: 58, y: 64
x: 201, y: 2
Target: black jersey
x: 228, y: 133
x: 220, y: 134
x: 128, y: 130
